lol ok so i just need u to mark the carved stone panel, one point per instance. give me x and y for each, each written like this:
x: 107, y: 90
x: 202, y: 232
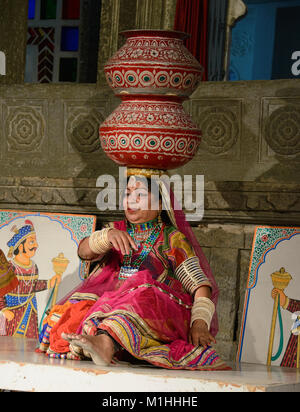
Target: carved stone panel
x: 220, y: 123
x: 82, y: 126
x: 24, y: 126
x: 280, y: 132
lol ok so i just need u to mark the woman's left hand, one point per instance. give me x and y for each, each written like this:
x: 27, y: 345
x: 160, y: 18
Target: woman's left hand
x: 199, y: 334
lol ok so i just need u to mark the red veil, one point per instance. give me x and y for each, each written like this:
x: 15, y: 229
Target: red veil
x: 178, y: 219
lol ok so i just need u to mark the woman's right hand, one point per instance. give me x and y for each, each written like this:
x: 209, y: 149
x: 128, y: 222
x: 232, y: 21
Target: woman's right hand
x: 121, y: 241
x: 9, y: 315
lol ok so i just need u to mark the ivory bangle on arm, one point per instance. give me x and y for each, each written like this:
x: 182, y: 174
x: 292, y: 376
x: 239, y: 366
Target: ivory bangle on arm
x: 204, y: 309
x: 98, y: 241
x: 190, y: 274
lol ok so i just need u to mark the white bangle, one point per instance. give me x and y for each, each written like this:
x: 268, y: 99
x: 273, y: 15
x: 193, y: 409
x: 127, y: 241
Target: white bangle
x: 98, y: 241
x: 204, y: 309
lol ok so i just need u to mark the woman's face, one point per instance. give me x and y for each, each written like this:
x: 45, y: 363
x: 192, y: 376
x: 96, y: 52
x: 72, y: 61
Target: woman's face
x: 140, y: 205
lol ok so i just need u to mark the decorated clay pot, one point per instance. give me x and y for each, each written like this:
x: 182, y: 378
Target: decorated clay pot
x: 150, y: 132
x: 153, y: 62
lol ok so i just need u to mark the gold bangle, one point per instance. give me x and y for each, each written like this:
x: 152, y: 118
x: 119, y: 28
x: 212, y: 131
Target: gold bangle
x: 98, y: 241
x: 204, y: 309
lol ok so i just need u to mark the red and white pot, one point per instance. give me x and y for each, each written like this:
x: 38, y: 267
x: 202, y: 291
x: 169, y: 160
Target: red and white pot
x: 152, y: 73
x: 154, y: 62
x: 152, y: 133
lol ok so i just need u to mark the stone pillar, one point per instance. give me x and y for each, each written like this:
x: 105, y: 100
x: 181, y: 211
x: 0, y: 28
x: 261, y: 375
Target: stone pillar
x: 155, y: 14
x: 13, y: 39
x: 109, y: 28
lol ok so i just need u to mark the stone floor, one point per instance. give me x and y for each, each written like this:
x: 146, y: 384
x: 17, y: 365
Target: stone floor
x: 22, y: 369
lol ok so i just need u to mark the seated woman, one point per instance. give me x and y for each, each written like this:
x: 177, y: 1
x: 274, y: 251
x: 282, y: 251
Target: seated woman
x: 149, y: 301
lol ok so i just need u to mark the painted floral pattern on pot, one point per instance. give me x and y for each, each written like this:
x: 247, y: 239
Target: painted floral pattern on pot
x: 153, y: 73
x: 146, y: 133
x: 153, y: 62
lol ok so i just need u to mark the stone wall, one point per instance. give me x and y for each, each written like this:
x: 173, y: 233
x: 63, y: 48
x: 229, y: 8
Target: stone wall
x: 50, y: 156
x: 13, y: 37
x: 228, y: 248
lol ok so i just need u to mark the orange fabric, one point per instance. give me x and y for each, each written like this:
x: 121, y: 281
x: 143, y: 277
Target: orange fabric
x: 57, y: 309
x: 68, y: 323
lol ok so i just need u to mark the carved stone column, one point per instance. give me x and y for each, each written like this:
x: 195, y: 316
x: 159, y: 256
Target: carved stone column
x: 109, y: 28
x: 155, y: 14
x: 13, y: 39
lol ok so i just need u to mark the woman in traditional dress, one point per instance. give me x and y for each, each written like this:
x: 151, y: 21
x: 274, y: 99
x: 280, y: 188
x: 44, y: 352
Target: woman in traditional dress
x: 153, y: 298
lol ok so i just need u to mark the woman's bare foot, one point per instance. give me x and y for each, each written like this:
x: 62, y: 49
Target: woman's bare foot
x: 100, y: 347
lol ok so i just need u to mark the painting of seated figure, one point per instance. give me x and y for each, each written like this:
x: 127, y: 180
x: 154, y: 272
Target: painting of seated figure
x: 38, y: 266
x: 270, y: 332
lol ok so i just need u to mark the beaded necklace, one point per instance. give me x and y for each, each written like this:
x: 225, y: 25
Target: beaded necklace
x: 142, y: 232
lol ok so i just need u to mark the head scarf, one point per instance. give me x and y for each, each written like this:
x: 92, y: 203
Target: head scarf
x: 178, y: 220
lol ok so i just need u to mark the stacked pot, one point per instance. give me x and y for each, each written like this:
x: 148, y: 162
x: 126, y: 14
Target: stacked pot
x: 153, y: 73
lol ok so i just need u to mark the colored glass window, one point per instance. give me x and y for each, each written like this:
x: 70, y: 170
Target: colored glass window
x: 68, y: 69
x: 69, y: 38
x: 71, y: 10
x: 48, y: 9
x: 31, y: 9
